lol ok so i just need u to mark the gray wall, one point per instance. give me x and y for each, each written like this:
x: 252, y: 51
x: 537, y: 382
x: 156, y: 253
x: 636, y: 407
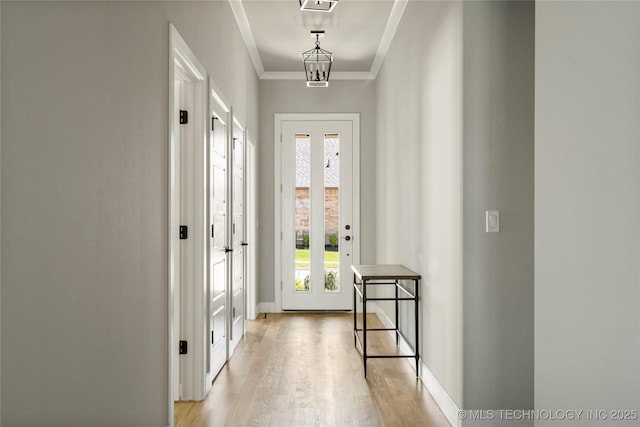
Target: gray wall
x: 587, y: 167
x: 84, y: 201
x: 288, y: 96
x: 419, y: 175
x: 498, y: 175
x: 455, y: 138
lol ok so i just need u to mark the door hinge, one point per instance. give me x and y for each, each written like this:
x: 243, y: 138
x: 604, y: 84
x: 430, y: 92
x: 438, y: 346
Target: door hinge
x: 212, y: 337
x: 280, y: 138
x: 233, y: 313
x: 184, y: 117
x: 184, y: 232
x: 281, y: 285
x: 281, y: 187
x: 183, y: 347
x: 212, y: 231
x: 281, y: 235
x: 233, y: 228
x: 213, y: 121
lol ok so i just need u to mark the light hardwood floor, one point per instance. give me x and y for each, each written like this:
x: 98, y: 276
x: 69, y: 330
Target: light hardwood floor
x: 303, y: 370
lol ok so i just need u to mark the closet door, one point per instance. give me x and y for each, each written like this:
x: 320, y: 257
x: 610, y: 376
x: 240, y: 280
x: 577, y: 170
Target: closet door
x: 217, y: 248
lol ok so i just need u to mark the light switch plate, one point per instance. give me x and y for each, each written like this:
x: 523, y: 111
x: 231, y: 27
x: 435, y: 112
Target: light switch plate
x: 493, y: 221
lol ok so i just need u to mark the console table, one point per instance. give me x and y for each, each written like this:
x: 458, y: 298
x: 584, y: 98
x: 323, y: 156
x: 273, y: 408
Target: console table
x: 365, y: 276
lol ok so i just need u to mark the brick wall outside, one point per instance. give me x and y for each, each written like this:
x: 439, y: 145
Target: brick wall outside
x: 302, y: 212
x: 331, y: 222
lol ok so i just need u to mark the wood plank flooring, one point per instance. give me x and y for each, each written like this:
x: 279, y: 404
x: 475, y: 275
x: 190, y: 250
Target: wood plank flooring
x: 303, y: 370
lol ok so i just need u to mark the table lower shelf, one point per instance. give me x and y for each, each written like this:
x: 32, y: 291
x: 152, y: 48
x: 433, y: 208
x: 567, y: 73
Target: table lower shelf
x: 359, y: 346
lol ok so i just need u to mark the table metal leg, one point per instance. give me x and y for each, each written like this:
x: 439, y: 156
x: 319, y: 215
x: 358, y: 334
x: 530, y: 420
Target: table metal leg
x: 397, y: 326
x: 355, y: 312
x: 415, y: 294
x: 364, y: 326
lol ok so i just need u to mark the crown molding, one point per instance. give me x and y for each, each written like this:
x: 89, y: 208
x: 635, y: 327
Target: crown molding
x: 387, y: 36
x: 245, y: 29
x: 390, y: 29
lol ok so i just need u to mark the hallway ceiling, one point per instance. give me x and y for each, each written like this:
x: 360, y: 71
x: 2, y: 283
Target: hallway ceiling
x: 357, y: 32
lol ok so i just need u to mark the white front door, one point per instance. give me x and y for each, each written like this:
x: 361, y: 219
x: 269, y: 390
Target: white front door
x: 317, y: 215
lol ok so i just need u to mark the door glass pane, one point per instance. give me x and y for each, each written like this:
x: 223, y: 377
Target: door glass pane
x: 331, y: 212
x: 302, y: 209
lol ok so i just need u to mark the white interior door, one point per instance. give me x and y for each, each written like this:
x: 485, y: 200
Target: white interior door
x: 237, y: 235
x: 317, y: 210
x: 218, y: 224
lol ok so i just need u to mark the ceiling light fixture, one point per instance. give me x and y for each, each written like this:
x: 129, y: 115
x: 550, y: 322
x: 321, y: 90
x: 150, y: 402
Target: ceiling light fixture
x: 317, y: 63
x: 317, y: 5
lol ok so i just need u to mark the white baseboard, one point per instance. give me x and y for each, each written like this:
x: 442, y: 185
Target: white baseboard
x: 372, y: 307
x: 256, y: 312
x: 266, y: 307
x: 439, y: 394
x: 270, y: 307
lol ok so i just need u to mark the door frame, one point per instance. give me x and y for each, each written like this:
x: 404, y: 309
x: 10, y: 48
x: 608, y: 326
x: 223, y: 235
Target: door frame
x: 251, y: 232
x: 183, y: 61
x: 354, y: 118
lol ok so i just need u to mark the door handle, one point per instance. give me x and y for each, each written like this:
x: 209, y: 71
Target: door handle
x: 227, y: 250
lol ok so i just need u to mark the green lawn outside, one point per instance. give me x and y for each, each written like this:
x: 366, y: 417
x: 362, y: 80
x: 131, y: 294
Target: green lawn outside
x: 331, y: 259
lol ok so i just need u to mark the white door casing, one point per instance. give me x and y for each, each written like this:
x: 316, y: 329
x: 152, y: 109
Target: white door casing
x: 251, y: 231
x: 187, y: 206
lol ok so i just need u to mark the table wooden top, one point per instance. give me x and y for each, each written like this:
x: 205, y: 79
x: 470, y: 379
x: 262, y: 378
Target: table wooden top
x: 384, y: 271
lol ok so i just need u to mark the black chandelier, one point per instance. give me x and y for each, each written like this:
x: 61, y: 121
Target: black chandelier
x: 317, y: 63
